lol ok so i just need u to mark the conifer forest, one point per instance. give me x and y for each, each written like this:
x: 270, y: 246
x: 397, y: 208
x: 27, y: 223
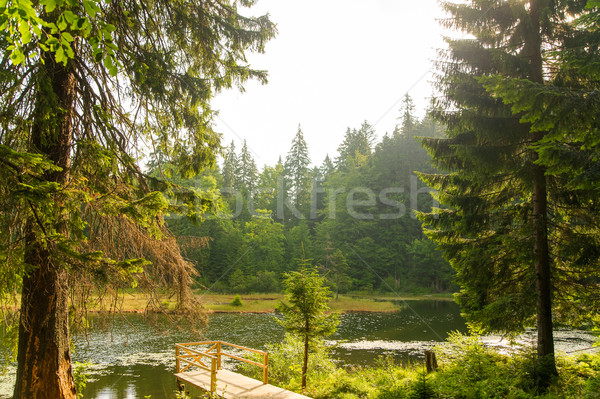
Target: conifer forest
x: 116, y: 177
x: 354, y: 215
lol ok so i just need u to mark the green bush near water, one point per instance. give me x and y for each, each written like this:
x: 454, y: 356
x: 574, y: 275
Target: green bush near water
x: 467, y: 370
x: 285, y: 363
x: 237, y: 301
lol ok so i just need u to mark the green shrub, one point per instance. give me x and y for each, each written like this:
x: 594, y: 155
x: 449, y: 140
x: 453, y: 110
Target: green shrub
x: 80, y: 377
x: 468, y: 370
x: 471, y: 371
x: 237, y: 301
x: 285, y: 363
x: 422, y: 388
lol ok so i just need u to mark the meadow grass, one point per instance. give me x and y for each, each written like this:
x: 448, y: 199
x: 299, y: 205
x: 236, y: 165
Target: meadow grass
x: 136, y: 301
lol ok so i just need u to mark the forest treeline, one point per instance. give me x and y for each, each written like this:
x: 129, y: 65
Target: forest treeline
x: 353, y: 216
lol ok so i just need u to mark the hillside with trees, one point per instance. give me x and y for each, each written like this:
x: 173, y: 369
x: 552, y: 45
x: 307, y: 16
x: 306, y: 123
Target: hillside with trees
x: 354, y: 215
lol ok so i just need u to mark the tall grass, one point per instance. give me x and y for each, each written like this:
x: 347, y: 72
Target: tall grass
x: 468, y: 370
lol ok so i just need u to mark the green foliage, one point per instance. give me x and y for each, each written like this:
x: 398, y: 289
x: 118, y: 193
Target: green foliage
x: 422, y: 388
x: 285, y: 363
x: 307, y: 299
x: 237, y: 301
x: 467, y: 371
x: 265, y: 282
x: 31, y: 30
x: 335, y: 267
x: 80, y: 377
x: 304, y: 314
x: 474, y: 371
x: 264, y: 240
x: 516, y: 223
x: 261, y: 230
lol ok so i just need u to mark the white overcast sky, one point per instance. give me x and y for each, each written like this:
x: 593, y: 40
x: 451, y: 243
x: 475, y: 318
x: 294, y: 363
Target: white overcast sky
x: 333, y: 65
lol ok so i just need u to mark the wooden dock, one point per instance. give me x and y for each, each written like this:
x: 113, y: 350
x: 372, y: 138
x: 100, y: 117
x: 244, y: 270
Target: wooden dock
x: 234, y: 385
x: 201, y: 368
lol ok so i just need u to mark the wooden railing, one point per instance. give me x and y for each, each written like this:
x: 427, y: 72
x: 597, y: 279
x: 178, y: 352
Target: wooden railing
x: 184, y: 353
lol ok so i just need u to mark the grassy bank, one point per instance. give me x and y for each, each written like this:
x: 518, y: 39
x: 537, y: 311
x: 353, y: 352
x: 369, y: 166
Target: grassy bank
x: 467, y: 370
x: 134, y: 301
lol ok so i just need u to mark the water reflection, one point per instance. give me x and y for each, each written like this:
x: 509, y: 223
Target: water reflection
x: 132, y: 359
x: 131, y: 382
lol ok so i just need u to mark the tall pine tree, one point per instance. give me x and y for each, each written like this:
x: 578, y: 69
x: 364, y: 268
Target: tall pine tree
x: 356, y: 143
x: 408, y: 119
x: 83, y: 84
x: 247, y: 172
x: 499, y: 231
x: 297, y: 171
x: 566, y: 108
x: 230, y: 167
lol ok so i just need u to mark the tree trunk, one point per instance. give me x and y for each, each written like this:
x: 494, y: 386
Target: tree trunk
x: 545, y: 340
x: 546, y: 367
x: 44, y: 358
x: 305, y: 362
x: 431, y: 364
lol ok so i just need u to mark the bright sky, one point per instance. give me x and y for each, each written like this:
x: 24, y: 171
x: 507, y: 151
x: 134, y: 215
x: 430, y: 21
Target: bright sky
x: 333, y: 65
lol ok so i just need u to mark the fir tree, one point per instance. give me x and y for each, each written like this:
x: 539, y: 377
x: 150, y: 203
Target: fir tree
x: 83, y: 84
x: 296, y: 170
x: 230, y: 168
x: 408, y: 119
x: 326, y: 167
x: 356, y: 144
x: 247, y: 172
x: 566, y: 106
x: 498, y: 232
x: 305, y: 313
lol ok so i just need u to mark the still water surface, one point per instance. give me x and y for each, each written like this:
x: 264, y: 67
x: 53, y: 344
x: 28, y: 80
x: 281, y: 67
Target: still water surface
x: 138, y: 361
x: 133, y: 359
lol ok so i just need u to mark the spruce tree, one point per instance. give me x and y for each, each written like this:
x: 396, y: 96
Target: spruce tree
x: 326, y: 167
x: 304, y: 314
x: 84, y: 85
x: 297, y: 171
x: 356, y: 144
x: 408, y: 118
x: 247, y: 172
x: 566, y: 108
x: 230, y: 167
x: 498, y: 230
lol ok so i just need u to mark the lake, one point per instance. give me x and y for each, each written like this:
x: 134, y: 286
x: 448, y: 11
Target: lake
x: 133, y: 359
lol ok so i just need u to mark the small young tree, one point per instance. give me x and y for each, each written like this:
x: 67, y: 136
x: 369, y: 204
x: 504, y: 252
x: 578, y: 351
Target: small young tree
x: 305, y: 311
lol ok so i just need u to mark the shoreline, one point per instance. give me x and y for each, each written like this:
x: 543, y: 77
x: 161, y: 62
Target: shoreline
x: 135, y: 302
x: 266, y: 303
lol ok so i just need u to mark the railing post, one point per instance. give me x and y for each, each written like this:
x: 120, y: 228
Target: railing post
x: 213, y: 375
x: 177, y: 358
x: 266, y: 368
x: 218, y: 355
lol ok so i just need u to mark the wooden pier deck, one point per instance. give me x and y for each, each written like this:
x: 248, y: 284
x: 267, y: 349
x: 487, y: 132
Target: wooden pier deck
x: 234, y: 385
x: 201, y: 368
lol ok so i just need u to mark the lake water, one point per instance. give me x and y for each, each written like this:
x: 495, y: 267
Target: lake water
x: 133, y: 359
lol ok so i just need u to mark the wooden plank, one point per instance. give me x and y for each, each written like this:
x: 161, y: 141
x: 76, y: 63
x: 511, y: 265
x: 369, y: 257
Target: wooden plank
x: 244, y: 360
x: 234, y: 385
x: 191, y: 351
x: 191, y: 363
x: 243, y: 347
